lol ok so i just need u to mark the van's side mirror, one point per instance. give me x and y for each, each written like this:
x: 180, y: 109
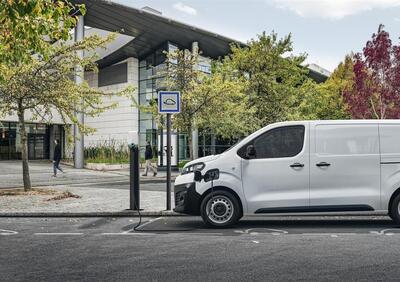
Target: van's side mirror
x: 197, y: 176
x: 250, y: 151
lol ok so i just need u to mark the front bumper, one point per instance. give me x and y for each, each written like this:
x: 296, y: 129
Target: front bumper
x: 187, y: 200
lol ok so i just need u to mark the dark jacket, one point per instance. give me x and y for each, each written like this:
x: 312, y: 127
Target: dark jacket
x: 57, y: 153
x: 148, y: 154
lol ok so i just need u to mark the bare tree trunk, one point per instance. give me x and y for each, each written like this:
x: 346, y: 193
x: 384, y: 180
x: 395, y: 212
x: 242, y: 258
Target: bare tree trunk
x: 24, y: 151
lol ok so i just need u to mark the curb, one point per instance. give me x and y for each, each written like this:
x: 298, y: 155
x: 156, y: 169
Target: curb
x: 91, y: 214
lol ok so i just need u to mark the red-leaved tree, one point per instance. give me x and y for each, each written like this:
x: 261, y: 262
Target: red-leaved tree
x: 375, y: 92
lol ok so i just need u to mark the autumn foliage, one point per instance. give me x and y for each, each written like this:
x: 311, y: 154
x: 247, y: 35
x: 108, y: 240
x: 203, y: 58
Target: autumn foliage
x: 375, y: 91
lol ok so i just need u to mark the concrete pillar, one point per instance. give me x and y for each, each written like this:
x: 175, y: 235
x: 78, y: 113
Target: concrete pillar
x: 195, y: 132
x: 195, y: 143
x: 79, y: 76
x: 212, y: 144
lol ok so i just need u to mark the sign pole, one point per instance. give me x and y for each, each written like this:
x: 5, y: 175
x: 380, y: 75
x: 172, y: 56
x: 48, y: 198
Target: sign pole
x: 169, y: 102
x: 168, y: 161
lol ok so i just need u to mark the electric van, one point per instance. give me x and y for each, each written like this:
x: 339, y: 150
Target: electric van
x: 297, y: 167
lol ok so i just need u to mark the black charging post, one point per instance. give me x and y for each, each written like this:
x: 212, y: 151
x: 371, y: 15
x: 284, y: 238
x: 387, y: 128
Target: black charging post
x: 134, y: 193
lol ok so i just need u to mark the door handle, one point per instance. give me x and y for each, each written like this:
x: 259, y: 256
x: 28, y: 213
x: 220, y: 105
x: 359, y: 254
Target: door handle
x: 297, y: 165
x: 322, y: 164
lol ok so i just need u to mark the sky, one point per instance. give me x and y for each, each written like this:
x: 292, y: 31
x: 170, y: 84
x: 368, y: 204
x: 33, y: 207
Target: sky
x: 326, y: 30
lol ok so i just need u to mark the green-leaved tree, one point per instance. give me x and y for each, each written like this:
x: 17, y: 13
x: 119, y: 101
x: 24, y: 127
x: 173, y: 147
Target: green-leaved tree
x: 28, y: 27
x: 273, y: 73
x: 44, y: 87
x: 215, y: 101
x: 325, y: 100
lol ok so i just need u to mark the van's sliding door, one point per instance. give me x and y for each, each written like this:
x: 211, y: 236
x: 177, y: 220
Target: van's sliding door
x: 344, y: 166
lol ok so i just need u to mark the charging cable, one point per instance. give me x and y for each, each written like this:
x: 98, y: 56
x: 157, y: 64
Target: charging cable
x: 136, y: 228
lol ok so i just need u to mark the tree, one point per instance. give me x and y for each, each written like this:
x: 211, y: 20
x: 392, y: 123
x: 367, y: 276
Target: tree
x: 43, y: 86
x: 28, y: 27
x: 375, y: 92
x: 226, y: 111
x: 325, y: 100
x: 273, y: 75
x: 213, y: 101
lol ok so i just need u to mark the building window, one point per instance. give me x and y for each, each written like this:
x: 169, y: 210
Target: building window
x: 113, y: 74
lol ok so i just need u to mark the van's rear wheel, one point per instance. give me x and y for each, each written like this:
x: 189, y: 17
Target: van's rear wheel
x: 220, y: 209
x: 394, y: 212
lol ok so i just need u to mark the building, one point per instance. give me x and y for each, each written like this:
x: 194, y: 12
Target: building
x: 135, y: 58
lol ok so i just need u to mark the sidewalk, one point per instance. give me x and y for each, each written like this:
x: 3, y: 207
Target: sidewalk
x: 101, y: 193
x: 41, y: 175
x: 92, y: 201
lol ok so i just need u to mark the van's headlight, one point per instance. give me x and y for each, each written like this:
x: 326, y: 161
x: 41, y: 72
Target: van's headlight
x: 193, y: 167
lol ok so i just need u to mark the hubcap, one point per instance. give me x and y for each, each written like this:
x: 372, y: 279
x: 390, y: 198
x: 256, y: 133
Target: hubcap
x: 220, y: 209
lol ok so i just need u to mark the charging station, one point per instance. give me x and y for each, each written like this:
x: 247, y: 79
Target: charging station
x: 134, y: 174
x: 169, y: 102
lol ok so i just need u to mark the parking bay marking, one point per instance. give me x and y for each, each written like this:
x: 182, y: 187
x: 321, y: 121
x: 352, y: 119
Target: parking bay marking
x: 277, y: 232
x: 329, y: 234
x: 57, y: 234
x: 129, y: 232
x: 5, y: 232
x: 274, y: 231
x: 384, y: 232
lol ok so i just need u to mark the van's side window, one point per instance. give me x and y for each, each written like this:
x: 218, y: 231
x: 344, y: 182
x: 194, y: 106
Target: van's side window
x: 281, y: 142
x: 349, y: 139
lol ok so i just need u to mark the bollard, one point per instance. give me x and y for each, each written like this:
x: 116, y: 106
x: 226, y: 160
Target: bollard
x: 134, y: 195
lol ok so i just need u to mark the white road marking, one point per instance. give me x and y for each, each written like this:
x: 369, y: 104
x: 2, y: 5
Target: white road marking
x: 5, y: 232
x: 143, y: 225
x: 199, y: 233
x: 126, y: 234
x: 256, y: 242
x: 56, y: 234
x: 130, y: 231
x: 274, y: 231
x: 328, y: 234
x: 383, y: 232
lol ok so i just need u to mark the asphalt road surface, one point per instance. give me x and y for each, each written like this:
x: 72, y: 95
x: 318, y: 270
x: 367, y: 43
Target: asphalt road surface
x: 183, y: 249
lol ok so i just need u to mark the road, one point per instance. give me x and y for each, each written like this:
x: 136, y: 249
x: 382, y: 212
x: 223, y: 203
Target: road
x: 183, y: 249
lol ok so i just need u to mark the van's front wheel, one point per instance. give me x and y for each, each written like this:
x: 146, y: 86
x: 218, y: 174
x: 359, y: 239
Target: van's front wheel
x: 220, y: 209
x: 394, y: 212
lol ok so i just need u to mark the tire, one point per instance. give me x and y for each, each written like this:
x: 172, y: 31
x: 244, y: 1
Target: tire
x: 394, y: 212
x: 225, y: 210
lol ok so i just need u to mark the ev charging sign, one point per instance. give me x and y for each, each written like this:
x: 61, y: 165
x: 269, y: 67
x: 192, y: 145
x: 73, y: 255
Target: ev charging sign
x: 169, y: 102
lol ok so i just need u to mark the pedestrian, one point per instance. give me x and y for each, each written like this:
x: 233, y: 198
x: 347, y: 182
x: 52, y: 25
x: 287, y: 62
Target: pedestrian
x: 57, y: 157
x: 148, y: 156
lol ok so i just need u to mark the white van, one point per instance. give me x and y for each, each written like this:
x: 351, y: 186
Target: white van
x: 297, y: 167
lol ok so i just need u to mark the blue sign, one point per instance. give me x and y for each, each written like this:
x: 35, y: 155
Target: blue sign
x: 169, y: 102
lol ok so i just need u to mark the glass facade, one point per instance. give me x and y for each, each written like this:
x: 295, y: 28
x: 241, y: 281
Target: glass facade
x: 151, y: 78
x: 39, y: 136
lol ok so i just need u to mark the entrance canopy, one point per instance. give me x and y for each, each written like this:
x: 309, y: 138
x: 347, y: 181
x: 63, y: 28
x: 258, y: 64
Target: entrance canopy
x: 149, y: 31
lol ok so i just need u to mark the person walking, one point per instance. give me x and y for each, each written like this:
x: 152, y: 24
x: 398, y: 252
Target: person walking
x: 148, y: 156
x: 57, y: 158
